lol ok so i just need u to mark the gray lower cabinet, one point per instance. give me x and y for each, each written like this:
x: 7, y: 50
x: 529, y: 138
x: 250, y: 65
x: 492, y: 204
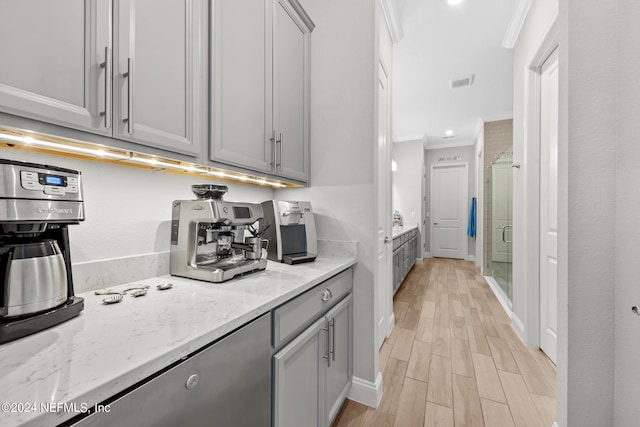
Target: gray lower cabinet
x: 226, y: 384
x: 312, y: 374
x: 126, y: 69
x: 405, y: 254
x: 260, y: 82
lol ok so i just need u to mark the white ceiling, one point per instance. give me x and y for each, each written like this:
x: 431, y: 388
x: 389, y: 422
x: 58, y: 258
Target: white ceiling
x: 441, y: 43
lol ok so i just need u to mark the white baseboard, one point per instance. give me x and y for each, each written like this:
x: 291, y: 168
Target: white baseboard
x: 471, y: 258
x: 517, y: 326
x: 555, y: 424
x: 499, y: 293
x: 391, y: 324
x: 366, y: 392
x: 428, y: 255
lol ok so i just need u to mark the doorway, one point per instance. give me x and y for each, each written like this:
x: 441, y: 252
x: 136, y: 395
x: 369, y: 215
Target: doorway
x: 549, y: 206
x: 449, y: 210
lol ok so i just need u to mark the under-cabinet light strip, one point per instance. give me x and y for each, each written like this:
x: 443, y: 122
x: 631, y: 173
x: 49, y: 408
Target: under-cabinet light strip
x: 89, y: 151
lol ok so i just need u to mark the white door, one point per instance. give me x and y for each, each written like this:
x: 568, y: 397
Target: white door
x: 449, y: 210
x: 501, y: 210
x: 384, y: 283
x: 549, y: 206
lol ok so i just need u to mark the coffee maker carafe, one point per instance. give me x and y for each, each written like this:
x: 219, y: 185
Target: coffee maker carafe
x: 37, y: 203
x: 208, y: 236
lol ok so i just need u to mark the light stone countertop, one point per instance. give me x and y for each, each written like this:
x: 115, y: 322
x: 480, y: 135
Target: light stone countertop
x: 111, y: 347
x: 399, y: 231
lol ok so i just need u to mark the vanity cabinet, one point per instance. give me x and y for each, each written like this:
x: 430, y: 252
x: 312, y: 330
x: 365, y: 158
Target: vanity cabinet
x: 225, y: 384
x: 126, y: 69
x: 313, y: 363
x: 260, y: 85
x: 405, y: 253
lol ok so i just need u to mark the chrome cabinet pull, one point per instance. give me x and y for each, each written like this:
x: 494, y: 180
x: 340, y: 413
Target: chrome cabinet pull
x: 107, y: 87
x: 326, y: 295
x: 332, y: 326
x: 326, y: 356
x: 129, y: 76
x: 273, y: 149
x: 279, y: 158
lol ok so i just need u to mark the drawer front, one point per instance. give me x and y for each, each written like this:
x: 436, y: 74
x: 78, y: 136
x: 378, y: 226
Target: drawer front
x: 397, y: 242
x: 295, y: 315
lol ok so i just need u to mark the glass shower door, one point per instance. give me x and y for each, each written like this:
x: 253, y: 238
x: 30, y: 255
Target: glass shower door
x: 499, y: 255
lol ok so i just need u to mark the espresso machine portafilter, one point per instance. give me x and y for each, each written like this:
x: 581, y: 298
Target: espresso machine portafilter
x: 208, y: 236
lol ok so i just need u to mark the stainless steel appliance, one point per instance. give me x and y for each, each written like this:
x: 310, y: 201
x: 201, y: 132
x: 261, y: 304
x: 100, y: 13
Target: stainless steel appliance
x: 37, y: 203
x: 291, y: 230
x: 208, y: 236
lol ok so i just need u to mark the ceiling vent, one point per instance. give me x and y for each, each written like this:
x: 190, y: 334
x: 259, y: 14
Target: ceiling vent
x: 461, y: 82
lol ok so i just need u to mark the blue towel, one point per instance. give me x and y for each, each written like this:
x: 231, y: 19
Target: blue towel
x: 471, y: 228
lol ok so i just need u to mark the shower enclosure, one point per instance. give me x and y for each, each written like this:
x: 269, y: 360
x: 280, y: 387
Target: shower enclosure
x: 498, y: 225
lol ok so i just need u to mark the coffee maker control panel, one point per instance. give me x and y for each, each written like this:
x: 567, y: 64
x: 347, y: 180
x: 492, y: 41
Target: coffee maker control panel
x: 24, y: 180
x: 47, y: 183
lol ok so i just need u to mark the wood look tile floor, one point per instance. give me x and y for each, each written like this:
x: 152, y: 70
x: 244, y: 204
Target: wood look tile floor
x: 453, y: 359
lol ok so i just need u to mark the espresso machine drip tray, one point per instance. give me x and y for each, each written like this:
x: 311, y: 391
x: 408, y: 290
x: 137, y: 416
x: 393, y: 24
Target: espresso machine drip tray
x: 229, y: 268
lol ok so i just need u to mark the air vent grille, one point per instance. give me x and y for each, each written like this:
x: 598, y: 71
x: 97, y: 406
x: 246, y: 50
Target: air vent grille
x: 461, y: 81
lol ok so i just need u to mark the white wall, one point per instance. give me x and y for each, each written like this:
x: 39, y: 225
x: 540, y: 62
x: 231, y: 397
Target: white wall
x: 467, y: 154
x: 128, y: 210
x: 408, y: 181
x: 343, y: 105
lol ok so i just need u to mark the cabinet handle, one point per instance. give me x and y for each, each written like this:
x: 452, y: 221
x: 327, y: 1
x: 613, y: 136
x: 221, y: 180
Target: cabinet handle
x: 326, y: 356
x: 107, y: 87
x: 279, y: 158
x: 326, y: 295
x: 273, y: 149
x: 129, y: 76
x: 332, y: 326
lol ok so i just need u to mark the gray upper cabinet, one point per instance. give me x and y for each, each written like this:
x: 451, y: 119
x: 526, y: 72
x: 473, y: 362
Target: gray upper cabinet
x: 128, y: 69
x: 160, y: 74
x: 52, y: 51
x: 260, y: 56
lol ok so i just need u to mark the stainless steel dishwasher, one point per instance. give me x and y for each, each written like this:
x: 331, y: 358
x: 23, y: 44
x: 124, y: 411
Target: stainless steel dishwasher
x: 226, y: 384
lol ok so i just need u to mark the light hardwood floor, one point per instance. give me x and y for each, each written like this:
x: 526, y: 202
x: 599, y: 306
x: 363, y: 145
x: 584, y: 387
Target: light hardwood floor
x: 453, y: 359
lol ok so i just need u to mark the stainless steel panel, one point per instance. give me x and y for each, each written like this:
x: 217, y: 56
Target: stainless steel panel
x: 11, y: 182
x: 22, y: 210
x: 232, y: 387
x: 36, y: 284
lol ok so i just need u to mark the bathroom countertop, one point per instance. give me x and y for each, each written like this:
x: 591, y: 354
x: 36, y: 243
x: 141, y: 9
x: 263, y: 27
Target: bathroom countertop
x: 108, y: 348
x: 399, y: 231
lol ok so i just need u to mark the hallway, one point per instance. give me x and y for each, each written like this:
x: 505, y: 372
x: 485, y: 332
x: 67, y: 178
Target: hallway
x: 453, y: 359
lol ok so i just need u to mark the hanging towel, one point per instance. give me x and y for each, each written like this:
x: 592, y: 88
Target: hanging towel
x: 471, y: 228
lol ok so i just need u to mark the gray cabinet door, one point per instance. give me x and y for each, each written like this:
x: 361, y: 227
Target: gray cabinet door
x: 291, y: 82
x: 340, y: 363
x: 227, y: 384
x: 51, y: 54
x: 160, y: 73
x: 299, y: 375
x: 241, y: 60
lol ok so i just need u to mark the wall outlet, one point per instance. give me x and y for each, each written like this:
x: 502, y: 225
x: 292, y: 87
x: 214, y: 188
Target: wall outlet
x: 413, y: 214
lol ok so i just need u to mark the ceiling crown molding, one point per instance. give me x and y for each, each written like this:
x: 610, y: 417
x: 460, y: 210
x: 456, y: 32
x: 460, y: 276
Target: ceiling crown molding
x: 390, y: 12
x: 518, y: 17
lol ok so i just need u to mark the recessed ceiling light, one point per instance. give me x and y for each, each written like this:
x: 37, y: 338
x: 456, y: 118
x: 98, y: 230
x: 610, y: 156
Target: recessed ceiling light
x: 454, y: 2
x: 449, y: 132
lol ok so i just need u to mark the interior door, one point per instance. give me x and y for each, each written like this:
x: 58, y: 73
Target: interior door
x: 449, y: 210
x: 549, y: 206
x: 384, y: 285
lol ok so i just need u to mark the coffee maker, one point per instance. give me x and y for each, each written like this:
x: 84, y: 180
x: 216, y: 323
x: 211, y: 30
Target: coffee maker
x: 208, y: 236
x: 37, y: 203
x: 291, y: 229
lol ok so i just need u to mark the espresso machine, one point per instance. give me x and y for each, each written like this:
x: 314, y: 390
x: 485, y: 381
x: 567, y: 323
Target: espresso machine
x: 291, y: 229
x: 37, y: 204
x: 208, y: 236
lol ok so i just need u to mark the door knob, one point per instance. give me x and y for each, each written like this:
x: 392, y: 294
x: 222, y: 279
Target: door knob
x: 387, y: 240
x: 435, y: 223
